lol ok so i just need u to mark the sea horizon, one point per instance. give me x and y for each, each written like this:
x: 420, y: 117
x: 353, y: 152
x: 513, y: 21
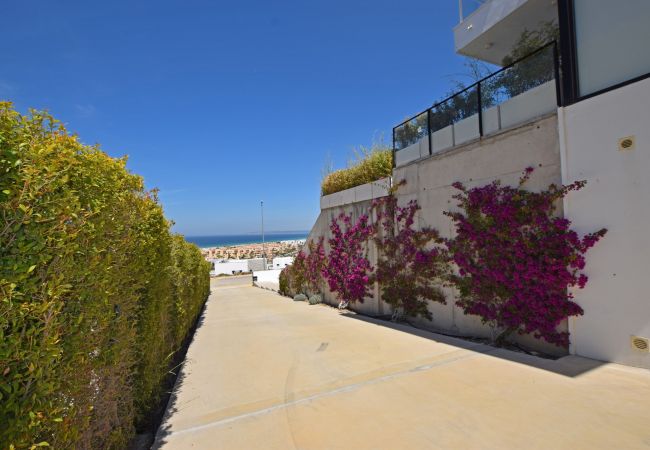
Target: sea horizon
x: 225, y: 240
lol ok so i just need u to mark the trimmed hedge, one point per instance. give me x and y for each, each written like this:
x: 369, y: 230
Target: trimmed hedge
x: 372, y: 165
x: 96, y: 294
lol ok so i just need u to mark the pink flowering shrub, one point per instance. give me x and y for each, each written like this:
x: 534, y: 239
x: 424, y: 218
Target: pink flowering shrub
x: 348, y: 270
x: 305, y: 273
x: 412, y: 265
x: 315, y: 262
x: 516, y: 260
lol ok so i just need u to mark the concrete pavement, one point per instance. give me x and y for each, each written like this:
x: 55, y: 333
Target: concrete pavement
x: 264, y: 372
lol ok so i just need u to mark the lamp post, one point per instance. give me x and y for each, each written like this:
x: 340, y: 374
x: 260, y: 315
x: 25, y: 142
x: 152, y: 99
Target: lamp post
x: 263, y: 244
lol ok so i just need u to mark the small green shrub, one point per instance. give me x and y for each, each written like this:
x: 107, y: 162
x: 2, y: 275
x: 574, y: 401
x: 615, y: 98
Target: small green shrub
x: 95, y: 293
x: 283, y: 281
x: 369, y: 165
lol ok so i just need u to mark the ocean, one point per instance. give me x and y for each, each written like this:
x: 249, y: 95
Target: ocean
x: 239, y: 239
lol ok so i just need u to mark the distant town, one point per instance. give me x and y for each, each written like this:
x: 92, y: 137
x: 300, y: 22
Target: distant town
x: 234, y: 259
x: 258, y: 250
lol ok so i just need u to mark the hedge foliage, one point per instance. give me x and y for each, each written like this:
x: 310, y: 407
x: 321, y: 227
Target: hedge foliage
x: 370, y: 165
x: 96, y: 294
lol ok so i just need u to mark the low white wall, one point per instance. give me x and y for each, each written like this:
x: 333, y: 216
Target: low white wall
x: 533, y: 103
x: 230, y: 266
x: 407, y: 154
x: 269, y: 279
x: 616, y: 299
x: 530, y: 105
x: 443, y: 139
x: 368, y: 191
x: 281, y: 262
x: 466, y: 130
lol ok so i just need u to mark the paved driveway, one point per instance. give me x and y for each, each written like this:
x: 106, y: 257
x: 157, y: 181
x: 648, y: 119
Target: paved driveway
x: 264, y: 372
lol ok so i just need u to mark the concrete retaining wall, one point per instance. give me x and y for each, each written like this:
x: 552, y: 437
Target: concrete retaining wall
x: 503, y: 156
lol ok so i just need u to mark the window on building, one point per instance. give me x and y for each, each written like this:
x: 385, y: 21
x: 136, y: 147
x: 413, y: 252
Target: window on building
x: 611, y: 42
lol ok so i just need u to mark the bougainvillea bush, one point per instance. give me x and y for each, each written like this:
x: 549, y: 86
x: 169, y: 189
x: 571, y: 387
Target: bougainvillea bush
x: 304, y: 275
x: 348, y: 270
x: 516, y: 260
x: 412, y: 265
x: 315, y: 262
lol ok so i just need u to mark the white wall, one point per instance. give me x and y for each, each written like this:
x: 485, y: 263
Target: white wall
x: 269, y: 279
x: 228, y: 266
x: 282, y: 262
x: 616, y: 299
x: 368, y: 191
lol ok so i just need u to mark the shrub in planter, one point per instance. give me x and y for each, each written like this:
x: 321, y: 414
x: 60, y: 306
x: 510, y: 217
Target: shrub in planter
x: 370, y: 165
x: 516, y: 260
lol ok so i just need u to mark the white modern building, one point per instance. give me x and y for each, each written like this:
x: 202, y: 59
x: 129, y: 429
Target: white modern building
x: 281, y: 262
x: 228, y: 266
x: 576, y: 108
x: 603, y: 118
x: 236, y: 266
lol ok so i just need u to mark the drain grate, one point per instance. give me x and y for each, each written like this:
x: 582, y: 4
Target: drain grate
x: 640, y: 343
x: 627, y: 143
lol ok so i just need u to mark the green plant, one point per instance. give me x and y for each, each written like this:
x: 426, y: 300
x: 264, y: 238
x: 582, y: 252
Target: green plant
x: 516, y: 259
x: 412, y: 265
x: 533, y: 70
x: 369, y: 165
x: 88, y: 312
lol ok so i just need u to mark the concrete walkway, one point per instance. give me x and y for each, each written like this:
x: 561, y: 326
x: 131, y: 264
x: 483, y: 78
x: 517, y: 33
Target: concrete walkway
x: 264, y: 372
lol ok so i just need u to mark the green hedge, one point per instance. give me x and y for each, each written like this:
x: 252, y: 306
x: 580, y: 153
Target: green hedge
x: 370, y: 165
x: 96, y: 294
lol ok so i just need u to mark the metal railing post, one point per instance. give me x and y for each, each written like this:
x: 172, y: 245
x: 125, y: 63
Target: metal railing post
x: 556, y: 74
x: 429, y: 130
x: 394, y: 162
x: 480, y: 109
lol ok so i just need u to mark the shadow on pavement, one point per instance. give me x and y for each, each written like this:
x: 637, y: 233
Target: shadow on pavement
x: 570, y: 366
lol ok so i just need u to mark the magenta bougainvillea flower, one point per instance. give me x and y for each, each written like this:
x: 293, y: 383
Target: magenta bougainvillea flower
x: 412, y: 265
x: 516, y: 259
x: 348, y: 269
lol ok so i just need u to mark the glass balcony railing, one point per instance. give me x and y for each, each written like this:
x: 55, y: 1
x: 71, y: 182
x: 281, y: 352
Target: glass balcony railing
x: 513, y: 95
x: 467, y: 7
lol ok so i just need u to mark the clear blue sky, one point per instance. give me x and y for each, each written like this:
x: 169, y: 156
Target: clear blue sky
x: 223, y: 104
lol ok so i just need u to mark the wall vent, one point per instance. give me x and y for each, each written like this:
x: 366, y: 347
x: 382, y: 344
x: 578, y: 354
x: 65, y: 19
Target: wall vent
x: 640, y: 344
x: 627, y: 143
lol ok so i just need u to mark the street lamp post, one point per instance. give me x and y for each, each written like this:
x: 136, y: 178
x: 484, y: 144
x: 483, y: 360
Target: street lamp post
x: 263, y: 244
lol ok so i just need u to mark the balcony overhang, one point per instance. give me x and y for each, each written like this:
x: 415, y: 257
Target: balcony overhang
x: 491, y: 31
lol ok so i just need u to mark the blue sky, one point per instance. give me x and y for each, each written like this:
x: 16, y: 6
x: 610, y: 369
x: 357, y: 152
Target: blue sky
x: 223, y: 104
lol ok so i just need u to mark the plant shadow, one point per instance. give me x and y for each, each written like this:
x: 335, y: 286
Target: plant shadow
x: 569, y: 366
x: 179, y: 372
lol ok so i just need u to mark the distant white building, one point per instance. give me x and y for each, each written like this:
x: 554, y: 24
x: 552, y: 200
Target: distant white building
x: 228, y: 266
x: 281, y: 262
x: 235, y: 266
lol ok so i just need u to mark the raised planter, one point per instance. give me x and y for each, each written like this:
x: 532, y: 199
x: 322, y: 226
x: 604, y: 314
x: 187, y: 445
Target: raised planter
x: 368, y: 191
